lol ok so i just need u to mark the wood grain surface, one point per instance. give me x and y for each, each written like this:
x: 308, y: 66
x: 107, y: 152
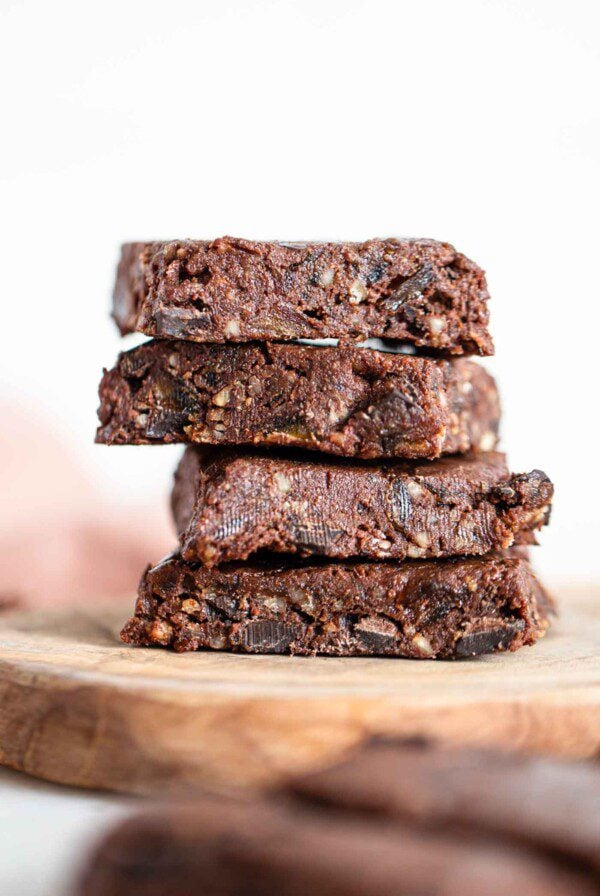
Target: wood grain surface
x: 78, y: 707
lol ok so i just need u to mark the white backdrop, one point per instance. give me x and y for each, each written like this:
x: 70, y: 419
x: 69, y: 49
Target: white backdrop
x: 475, y: 122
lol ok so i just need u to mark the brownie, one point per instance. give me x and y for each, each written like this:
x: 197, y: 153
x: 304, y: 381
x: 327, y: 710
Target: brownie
x: 232, y: 503
x: 277, y: 844
x: 421, y: 609
x: 421, y: 292
x: 348, y: 401
x: 542, y: 802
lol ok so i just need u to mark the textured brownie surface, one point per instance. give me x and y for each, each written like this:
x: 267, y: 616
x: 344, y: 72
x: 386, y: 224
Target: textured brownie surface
x: 230, y: 504
x: 282, y: 845
x: 341, y: 400
x: 233, y: 290
x: 545, y: 803
x: 421, y: 609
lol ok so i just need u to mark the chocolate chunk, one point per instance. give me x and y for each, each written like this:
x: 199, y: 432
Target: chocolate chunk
x: 230, y: 504
x: 312, y: 534
x: 487, y: 640
x: 231, y: 290
x: 412, y: 290
x: 348, y: 401
x: 378, y: 634
x: 340, y: 609
x: 161, y: 422
x: 269, y: 636
x: 400, y: 503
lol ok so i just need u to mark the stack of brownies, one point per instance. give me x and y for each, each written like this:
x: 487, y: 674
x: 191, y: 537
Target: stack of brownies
x: 333, y: 498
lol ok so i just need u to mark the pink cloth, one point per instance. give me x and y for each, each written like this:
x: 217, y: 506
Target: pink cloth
x: 59, y: 540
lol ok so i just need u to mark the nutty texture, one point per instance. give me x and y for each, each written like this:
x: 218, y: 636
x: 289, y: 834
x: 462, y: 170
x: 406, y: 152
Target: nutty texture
x: 283, y: 845
x: 230, y: 504
x: 232, y: 290
x: 420, y: 609
x: 348, y: 401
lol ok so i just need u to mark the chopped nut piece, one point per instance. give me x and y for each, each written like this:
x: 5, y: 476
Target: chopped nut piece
x: 327, y: 276
x: 358, y: 292
x: 303, y: 599
x: 282, y: 482
x: 216, y: 641
x: 422, y: 539
x: 436, y: 325
x: 423, y: 645
x: 209, y: 553
x: 337, y: 412
x: 414, y: 489
x: 232, y: 329
x: 161, y: 631
x: 255, y: 386
x: 222, y: 397
x: 275, y: 603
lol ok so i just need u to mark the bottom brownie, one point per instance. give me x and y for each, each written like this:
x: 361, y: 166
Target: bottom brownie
x: 421, y: 609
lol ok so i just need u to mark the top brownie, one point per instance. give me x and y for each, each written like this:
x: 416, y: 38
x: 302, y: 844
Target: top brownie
x: 420, y: 292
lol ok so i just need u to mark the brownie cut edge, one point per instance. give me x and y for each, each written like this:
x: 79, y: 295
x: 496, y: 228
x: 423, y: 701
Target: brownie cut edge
x: 419, y: 291
x: 230, y: 504
x: 419, y: 609
x: 353, y: 402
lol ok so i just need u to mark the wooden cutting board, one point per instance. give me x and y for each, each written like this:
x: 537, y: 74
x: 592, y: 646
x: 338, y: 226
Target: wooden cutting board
x: 78, y: 707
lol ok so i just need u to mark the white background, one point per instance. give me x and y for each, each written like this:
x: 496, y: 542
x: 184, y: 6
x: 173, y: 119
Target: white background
x: 473, y: 122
